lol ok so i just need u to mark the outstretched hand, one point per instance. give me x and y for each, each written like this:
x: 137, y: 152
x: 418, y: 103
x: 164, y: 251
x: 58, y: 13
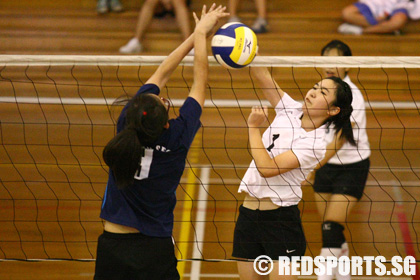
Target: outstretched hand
x: 209, y: 20
x: 258, y: 116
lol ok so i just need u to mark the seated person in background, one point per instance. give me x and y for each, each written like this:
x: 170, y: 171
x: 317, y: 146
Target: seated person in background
x: 378, y: 16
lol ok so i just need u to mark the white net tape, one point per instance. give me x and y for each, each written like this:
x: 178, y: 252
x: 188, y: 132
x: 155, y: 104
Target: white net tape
x: 277, y: 61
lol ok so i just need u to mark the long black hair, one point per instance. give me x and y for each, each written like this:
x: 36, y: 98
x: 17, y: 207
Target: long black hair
x: 145, y: 119
x: 341, y: 121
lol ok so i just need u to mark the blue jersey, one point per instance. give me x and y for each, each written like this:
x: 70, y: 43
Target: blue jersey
x: 148, y: 204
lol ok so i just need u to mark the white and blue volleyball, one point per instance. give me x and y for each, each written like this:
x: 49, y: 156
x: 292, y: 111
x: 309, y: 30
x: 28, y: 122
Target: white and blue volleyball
x: 234, y: 45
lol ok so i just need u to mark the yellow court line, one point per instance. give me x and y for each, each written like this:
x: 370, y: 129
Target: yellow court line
x: 190, y: 189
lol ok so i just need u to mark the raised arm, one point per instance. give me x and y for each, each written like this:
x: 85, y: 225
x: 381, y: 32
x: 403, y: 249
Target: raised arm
x: 267, y: 166
x: 204, y: 27
x: 165, y: 70
x: 273, y: 93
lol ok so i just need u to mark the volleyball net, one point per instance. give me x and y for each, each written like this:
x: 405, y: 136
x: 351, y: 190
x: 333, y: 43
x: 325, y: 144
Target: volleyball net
x: 56, y: 116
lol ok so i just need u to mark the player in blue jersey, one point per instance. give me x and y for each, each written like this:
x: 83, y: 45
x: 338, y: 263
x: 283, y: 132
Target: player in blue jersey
x: 146, y: 160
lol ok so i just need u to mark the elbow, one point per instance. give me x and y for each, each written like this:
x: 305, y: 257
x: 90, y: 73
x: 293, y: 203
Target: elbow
x: 268, y: 172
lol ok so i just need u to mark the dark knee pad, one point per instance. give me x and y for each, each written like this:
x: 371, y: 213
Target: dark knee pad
x: 332, y: 235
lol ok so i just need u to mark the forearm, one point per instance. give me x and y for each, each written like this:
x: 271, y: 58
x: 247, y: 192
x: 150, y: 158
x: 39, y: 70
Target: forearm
x: 272, y: 92
x: 265, y: 164
x: 168, y: 66
x: 200, y: 68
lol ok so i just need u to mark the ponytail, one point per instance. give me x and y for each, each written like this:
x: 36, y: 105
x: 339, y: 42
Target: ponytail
x: 144, y: 123
x: 122, y: 154
x: 342, y: 121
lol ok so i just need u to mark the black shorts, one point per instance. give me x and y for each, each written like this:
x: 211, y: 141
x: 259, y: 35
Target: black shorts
x: 135, y: 256
x: 273, y: 233
x: 348, y: 179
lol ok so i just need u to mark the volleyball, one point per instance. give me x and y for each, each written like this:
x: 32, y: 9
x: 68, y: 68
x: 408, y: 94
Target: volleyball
x: 234, y: 45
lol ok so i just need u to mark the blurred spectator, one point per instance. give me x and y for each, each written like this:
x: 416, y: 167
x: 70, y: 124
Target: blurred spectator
x: 178, y: 7
x: 104, y: 6
x: 378, y: 16
x: 260, y: 24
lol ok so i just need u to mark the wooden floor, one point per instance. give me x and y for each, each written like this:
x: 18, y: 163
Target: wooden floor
x: 52, y: 177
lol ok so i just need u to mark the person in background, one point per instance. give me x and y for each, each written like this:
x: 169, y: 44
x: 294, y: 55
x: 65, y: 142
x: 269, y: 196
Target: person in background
x: 104, y: 6
x: 341, y: 176
x: 378, y: 16
x: 146, y: 14
x: 260, y: 24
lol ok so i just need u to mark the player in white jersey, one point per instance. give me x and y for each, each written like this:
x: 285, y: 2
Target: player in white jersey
x: 378, y: 16
x: 341, y: 176
x: 269, y: 220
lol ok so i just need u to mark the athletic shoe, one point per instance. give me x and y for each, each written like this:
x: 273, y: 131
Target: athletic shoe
x: 116, y: 6
x: 344, y: 252
x: 234, y: 19
x: 260, y: 25
x: 102, y: 7
x: 347, y: 28
x: 133, y: 46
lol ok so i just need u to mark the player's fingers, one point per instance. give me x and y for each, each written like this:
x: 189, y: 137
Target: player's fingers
x: 221, y: 11
x: 265, y: 110
x: 258, y: 110
x: 212, y: 7
x: 195, y: 18
x: 221, y: 8
x: 203, y: 11
x: 224, y: 14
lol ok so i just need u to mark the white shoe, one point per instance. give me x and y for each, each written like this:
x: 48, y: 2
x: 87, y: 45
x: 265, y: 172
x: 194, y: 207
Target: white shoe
x: 260, y: 26
x: 133, y: 46
x: 116, y: 6
x: 191, y: 53
x: 344, y: 252
x: 102, y: 7
x: 347, y: 28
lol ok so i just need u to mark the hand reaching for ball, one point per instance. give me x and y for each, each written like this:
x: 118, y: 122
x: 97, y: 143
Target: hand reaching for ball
x: 208, y: 21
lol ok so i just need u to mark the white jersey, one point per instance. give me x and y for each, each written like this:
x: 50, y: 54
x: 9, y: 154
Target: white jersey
x: 414, y: 11
x: 286, y: 133
x: 380, y: 8
x: 349, y: 153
